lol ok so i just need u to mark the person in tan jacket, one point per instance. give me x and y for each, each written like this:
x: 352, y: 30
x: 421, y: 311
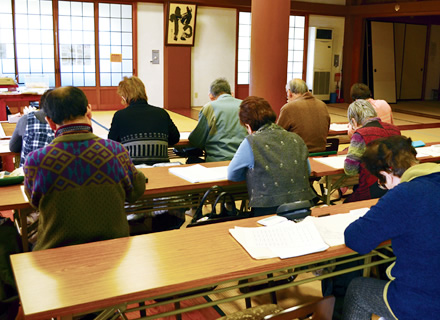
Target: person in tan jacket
x: 305, y: 115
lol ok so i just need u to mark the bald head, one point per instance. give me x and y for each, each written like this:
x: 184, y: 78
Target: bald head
x: 65, y: 104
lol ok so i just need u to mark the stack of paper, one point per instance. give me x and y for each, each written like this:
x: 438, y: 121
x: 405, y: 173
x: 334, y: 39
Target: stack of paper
x: 433, y: 151
x: 199, y: 173
x: 339, y: 126
x: 13, y: 118
x: 284, y: 240
x: 4, y: 146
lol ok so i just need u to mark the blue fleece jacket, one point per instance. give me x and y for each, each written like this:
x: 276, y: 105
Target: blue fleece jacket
x: 408, y: 215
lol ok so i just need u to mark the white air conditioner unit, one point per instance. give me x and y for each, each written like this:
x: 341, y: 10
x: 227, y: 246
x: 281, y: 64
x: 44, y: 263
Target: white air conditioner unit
x: 319, y: 62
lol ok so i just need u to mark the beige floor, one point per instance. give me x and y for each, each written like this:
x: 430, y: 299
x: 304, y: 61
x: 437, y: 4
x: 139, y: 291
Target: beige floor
x: 431, y: 110
x: 338, y: 113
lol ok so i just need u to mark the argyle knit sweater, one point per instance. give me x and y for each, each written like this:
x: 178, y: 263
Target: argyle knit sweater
x: 80, y: 183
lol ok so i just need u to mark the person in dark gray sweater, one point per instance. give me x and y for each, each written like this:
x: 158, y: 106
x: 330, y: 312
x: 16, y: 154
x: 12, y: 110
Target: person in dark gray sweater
x: 145, y: 131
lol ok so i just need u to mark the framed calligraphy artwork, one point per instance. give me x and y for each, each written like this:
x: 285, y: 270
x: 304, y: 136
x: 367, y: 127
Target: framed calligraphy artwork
x: 181, y: 24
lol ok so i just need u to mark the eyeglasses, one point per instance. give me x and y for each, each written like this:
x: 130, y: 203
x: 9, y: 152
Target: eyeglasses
x: 381, y: 185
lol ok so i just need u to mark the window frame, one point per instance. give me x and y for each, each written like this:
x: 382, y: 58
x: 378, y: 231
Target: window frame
x: 101, y: 97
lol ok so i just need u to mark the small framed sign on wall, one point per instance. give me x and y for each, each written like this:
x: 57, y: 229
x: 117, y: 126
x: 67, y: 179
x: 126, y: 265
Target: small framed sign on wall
x: 181, y: 24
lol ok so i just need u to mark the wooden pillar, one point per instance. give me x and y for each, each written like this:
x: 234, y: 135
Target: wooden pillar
x: 177, y: 78
x: 269, y: 46
x: 352, y: 53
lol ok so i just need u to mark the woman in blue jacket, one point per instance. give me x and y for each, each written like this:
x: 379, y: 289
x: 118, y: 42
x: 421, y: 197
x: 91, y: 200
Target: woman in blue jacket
x: 408, y: 215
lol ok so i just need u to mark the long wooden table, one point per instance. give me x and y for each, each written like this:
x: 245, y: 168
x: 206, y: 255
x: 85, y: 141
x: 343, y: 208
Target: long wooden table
x: 334, y: 178
x: 8, y: 128
x: 163, y: 191
x: 110, y: 275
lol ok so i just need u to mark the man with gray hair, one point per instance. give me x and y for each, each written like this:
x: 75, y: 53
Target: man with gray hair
x: 219, y: 131
x: 305, y: 115
x: 367, y: 127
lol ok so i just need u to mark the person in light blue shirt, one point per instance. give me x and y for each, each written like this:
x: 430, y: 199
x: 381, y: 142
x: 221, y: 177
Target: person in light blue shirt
x: 273, y: 161
x: 218, y: 131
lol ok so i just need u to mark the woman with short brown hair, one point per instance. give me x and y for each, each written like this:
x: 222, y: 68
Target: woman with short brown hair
x: 273, y: 161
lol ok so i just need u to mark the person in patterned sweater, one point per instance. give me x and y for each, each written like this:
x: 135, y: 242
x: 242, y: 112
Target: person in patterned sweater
x: 367, y: 127
x: 79, y: 182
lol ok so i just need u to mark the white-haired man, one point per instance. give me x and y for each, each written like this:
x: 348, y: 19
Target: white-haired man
x: 305, y: 115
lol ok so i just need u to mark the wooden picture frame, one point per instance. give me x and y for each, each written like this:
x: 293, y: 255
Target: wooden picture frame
x: 181, y: 24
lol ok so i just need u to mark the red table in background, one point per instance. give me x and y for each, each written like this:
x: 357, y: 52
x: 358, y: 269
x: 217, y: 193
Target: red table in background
x: 13, y: 96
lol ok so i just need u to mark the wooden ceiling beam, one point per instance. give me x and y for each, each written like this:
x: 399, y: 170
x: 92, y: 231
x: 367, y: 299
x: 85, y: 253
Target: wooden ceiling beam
x: 318, y: 8
x: 425, y: 8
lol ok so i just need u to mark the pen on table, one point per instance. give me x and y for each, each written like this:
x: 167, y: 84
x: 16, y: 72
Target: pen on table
x: 324, y: 215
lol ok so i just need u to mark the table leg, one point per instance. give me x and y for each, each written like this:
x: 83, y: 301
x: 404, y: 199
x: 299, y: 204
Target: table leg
x: 327, y: 190
x: 367, y: 271
x: 17, y: 159
x: 24, y: 231
x: 3, y: 116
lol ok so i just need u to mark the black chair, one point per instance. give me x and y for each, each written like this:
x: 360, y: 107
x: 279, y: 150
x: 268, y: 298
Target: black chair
x: 192, y: 154
x: 295, y: 210
x: 222, y: 208
x: 330, y: 148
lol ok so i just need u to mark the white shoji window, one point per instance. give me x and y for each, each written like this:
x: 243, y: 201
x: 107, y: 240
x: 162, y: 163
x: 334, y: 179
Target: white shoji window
x: 115, y: 37
x: 34, y: 39
x: 7, y: 56
x: 244, y: 47
x: 77, y: 43
x: 295, y: 53
x: 296, y: 47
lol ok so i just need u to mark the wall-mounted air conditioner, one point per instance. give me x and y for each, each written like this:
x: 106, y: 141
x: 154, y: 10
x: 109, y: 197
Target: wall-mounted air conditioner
x: 319, y: 62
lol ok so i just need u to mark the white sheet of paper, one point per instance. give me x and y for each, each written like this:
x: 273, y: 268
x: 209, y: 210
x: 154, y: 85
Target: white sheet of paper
x: 433, y: 151
x: 13, y: 118
x: 2, y: 132
x: 199, y: 173
x: 331, y: 228
x: 339, y: 126
x: 336, y: 162
x: 4, y: 146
